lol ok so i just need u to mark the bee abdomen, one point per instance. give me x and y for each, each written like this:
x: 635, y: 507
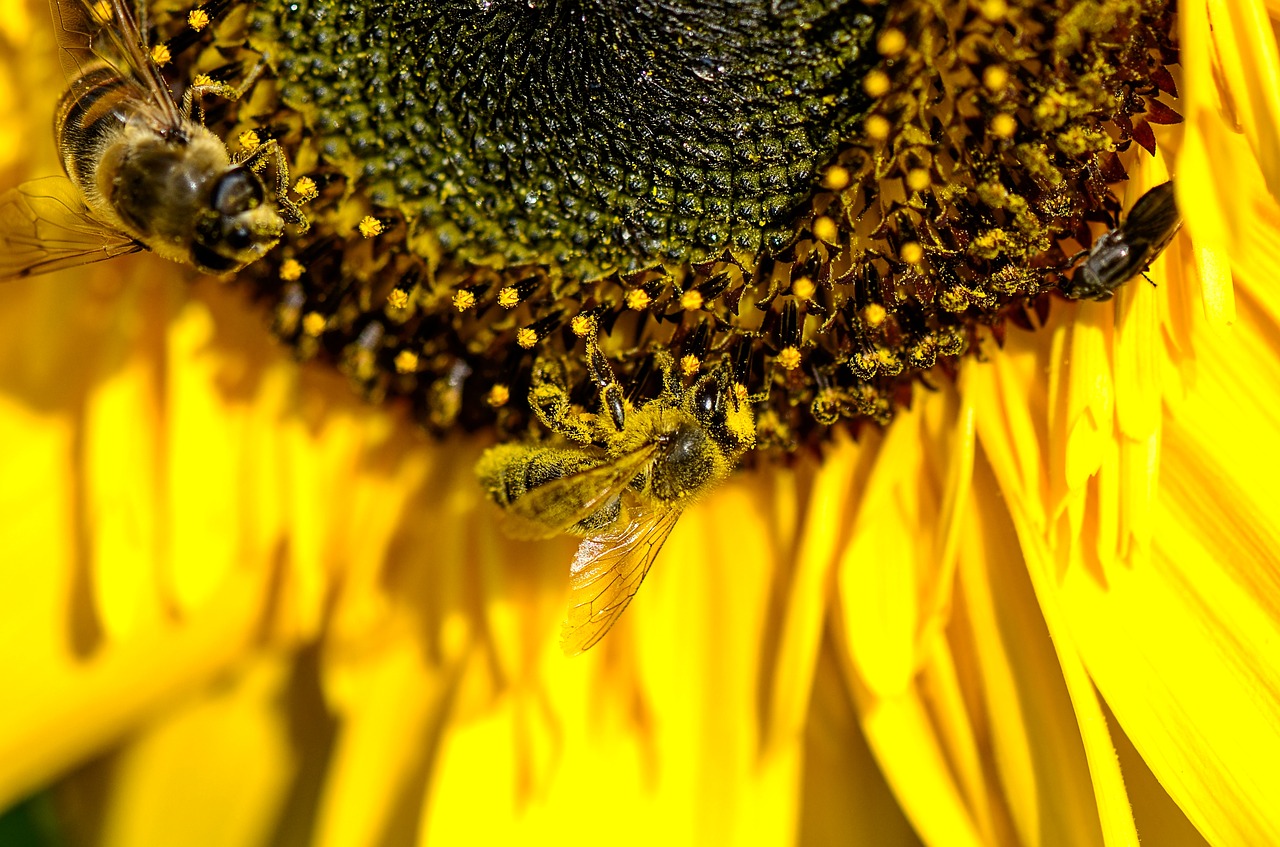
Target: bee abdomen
x: 91, y: 112
x: 509, y: 471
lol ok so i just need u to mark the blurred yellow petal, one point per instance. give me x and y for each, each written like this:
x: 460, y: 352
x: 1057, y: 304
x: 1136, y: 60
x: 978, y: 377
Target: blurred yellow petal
x: 171, y: 787
x: 825, y: 524
x: 846, y: 799
x: 901, y: 735
x: 678, y: 735
x: 893, y: 597
x: 72, y: 710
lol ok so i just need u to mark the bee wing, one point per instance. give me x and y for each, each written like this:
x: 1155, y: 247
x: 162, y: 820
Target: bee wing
x: 1154, y: 219
x: 110, y: 34
x: 45, y: 226
x: 605, y: 574
x: 571, y: 499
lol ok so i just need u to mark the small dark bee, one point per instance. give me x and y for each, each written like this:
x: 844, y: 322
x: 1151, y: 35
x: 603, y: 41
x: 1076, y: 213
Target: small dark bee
x: 1126, y: 251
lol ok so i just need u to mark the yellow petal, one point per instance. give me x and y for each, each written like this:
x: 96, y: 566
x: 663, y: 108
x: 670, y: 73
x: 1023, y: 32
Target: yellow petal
x: 1245, y: 49
x: 378, y: 765
x: 123, y: 449
x: 899, y: 731
x: 825, y: 524
x: 170, y: 786
x: 656, y: 730
x: 1184, y: 647
x: 1002, y: 434
x: 845, y: 797
x: 893, y: 596
x: 72, y: 711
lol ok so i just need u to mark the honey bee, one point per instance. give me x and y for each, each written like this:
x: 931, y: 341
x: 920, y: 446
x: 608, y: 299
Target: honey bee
x: 621, y: 478
x: 142, y: 173
x: 1121, y: 253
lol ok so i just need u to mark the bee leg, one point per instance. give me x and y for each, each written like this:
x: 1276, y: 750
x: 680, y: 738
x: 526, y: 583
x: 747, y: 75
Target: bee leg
x: 672, y: 387
x: 191, y: 105
x: 257, y: 160
x: 549, y: 401
x: 739, y: 391
x: 612, y: 399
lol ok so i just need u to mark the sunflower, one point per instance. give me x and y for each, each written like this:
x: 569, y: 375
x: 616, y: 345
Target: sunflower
x: 1039, y: 606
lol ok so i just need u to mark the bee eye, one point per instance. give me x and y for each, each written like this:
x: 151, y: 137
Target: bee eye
x: 238, y: 190
x: 238, y: 237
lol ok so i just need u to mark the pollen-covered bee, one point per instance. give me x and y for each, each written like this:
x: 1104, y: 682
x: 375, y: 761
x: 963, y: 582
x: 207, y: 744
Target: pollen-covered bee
x: 142, y: 173
x: 620, y: 478
x: 1121, y: 253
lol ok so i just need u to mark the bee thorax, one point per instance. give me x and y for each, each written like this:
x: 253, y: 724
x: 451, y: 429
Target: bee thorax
x: 155, y: 186
x: 687, y: 462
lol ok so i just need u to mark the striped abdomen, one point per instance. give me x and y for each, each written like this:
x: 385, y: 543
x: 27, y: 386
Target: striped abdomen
x: 91, y: 114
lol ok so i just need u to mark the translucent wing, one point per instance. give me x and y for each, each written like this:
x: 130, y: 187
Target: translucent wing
x: 45, y: 226
x: 1154, y: 219
x: 107, y: 31
x: 555, y: 507
x: 605, y: 574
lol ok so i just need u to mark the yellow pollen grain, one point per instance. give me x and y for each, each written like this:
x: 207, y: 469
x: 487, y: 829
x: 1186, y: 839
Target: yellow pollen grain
x: 160, y: 55
x: 306, y: 189
x: 1003, y: 125
x: 398, y: 299
x: 740, y: 392
x: 526, y: 337
x: 508, y: 298
x: 638, y: 298
x: 824, y: 229
x: 874, y: 315
x: 891, y: 42
x: 877, y: 127
x: 198, y: 19
x: 993, y: 10
x: 248, y: 140
x: 498, y: 395
x: 876, y: 83
x: 886, y: 357
x: 953, y: 300
x: 691, y: 300
x: 463, y: 300
x: 789, y: 358
x: 313, y: 323
x: 406, y: 362
x: 689, y: 364
x: 582, y: 325
x: 911, y: 252
x: 369, y: 226
x: 803, y: 288
x: 918, y: 179
x: 836, y: 178
x: 995, y: 78
x: 202, y: 80
x: 291, y: 270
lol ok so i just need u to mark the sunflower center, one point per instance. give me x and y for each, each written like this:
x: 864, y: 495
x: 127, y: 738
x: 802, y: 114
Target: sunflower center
x: 598, y: 134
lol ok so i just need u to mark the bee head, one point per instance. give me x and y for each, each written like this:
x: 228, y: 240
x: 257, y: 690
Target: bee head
x: 716, y: 404
x: 238, y: 226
